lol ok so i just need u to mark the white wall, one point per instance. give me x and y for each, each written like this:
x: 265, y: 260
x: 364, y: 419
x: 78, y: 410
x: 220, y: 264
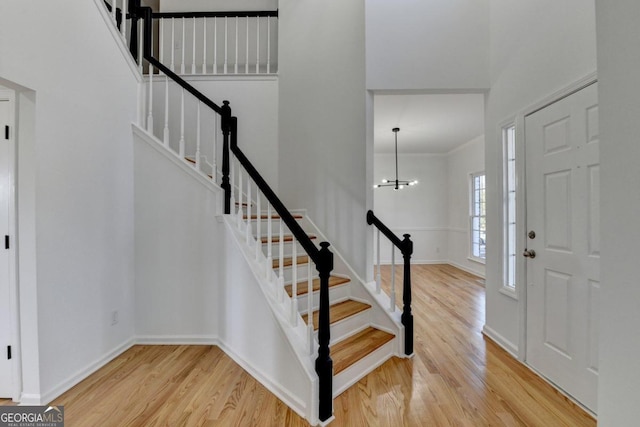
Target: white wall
x: 76, y: 189
x: 177, y: 249
x: 461, y: 163
x: 252, y: 331
x: 436, y: 211
x: 253, y: 100
x: 433, y: 44
x: 419, y: 210
x: 619, y: 93
x: 323, y: 147
x: 537, y: 48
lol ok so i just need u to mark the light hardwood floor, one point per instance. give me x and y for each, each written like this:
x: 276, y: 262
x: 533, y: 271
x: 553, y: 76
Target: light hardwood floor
x: 456, y: 378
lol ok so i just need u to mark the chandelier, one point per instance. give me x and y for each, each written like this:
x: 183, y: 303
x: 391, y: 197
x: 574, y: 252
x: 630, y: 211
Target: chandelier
x: 397, y: 184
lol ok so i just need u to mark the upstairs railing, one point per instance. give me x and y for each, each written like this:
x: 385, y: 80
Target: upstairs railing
x: 406, y: 247
x: 204, y: 43
x: 205, y: 135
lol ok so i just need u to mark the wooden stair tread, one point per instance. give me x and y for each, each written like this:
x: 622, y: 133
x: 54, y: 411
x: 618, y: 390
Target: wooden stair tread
x: 265, y: 217
x: 190, y: 160
x: 288, y: 261
x: 286, y: 238
x: 339, y: 311
x: 350, y: 350
x: 302, y: 285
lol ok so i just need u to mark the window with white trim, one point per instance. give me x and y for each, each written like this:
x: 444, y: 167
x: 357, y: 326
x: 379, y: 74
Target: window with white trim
x: 509, y: 180
x: 478, y: 217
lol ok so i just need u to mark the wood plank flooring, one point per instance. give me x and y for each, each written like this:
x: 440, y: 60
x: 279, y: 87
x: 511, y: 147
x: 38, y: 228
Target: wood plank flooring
x: 456, y: 378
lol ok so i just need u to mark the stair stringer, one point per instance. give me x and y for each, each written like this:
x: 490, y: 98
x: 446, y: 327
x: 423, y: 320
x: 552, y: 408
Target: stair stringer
x: 380, y: 317
x: 256, y: 330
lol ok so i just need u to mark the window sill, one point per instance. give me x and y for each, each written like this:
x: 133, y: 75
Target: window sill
x: 509, y: 291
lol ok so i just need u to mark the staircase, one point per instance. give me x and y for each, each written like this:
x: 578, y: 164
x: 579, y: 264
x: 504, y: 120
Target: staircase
x: 338, y: 328
x: 358, y: 344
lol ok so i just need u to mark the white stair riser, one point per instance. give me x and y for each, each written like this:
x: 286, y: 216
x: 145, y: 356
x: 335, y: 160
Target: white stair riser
x: 345, y: 327
x: 336, y: 293
x: 358, y: 370
x: 275, y: 228
x: 287, y: 249
x: 302, y: 273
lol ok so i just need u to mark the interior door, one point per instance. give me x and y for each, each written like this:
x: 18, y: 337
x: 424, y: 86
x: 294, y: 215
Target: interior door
x: 6, y: 320
x: 563, y: 243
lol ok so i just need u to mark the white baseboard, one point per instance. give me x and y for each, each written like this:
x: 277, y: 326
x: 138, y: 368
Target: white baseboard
x: 45, y: 398
x: 510, y: 347
x: 399, y: 261
x: 177, y: 340
x: 293, y: 402
x: 465, y: 268
x: 30, y: 399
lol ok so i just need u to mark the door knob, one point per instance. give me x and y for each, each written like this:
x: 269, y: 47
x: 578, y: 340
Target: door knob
x: 529, y: 253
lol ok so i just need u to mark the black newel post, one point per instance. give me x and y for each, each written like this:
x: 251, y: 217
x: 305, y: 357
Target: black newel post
x: 134, y: 5
x: 407, y: 317
x: 324, y: 364
x: 226, y: 124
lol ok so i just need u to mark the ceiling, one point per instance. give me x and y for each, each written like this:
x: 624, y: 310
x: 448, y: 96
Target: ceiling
x: 429, y: 123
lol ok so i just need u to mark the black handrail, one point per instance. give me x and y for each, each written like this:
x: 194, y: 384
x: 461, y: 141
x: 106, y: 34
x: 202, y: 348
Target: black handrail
x: 406, y: 247
x: 323, y: 258
x: 230, y: 14
x: 118, y: 13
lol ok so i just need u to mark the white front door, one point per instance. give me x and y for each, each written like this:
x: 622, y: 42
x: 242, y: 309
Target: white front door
x: 563, y: 279
x: 6, y: 320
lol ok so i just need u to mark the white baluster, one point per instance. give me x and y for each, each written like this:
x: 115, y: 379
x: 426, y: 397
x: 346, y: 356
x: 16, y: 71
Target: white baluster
x: 140, y: 47
x: 246, y: 60
x: 294, y: 282
x: 113, y: 11
x: 184, y: 36
x: 281, y: 291
x: 225, y: 46
x: 233, y: 182
x: 378, y: 276
x: 142, y: 105
x: 281, y: 252
x: 173, y: 44
x: 392, y: 306
x: 193, y: 58
x: 125, y: 8
x: 204, y: 46
x: 235, y: 66
x: 182, y: 144
x: 310, y: 306
x: 215, y: 45
x: 268, y: 45
x: 240, y: 207
x: 161, y: 40
x: 150, y: 110
x: 165, y: 136
x: 258, y: 224
x: 249, y: 212
x: 257, y: 45
x: 269, y: 242
x: 198, y: 161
